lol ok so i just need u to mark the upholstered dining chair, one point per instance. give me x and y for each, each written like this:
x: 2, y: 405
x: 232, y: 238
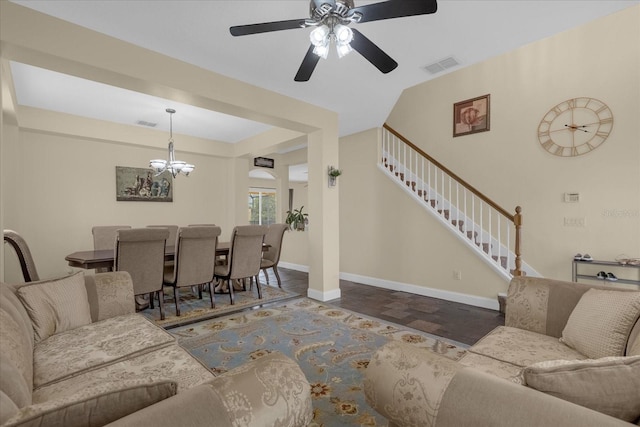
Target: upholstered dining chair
x: 140, y: 252
x: 245, y: 254
x: 19, y: 245
x: 104, y: 237
x: 173, y: 233
x: 194, y: 261
x: 271, y: 256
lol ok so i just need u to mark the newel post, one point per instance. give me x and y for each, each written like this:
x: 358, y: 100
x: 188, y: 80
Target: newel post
x: 517, y: 221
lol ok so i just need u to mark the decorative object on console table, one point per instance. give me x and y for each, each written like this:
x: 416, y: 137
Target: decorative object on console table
x: 296, y: 219
x: 471, y: 116
x: 333, y: 174
x: 140, y: 185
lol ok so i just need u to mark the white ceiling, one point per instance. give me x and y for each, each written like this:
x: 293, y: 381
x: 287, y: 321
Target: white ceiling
x: 197, y: 31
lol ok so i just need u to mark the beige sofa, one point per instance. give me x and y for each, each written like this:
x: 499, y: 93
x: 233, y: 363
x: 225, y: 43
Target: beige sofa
x: 73, y: 352
x: 568, y: 355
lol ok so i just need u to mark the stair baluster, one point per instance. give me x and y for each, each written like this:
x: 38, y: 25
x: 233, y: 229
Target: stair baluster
x: 448, y: 196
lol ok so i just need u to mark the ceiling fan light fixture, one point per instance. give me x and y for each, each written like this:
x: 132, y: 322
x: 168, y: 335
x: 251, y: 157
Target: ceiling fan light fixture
x: 343, y: 49
x: 320, y: 36
x: 344, y: 34
x: 322, y: 51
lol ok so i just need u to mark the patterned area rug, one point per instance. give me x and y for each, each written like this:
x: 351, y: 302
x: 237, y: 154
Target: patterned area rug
x: 193, y: 309
x: 332, y: 346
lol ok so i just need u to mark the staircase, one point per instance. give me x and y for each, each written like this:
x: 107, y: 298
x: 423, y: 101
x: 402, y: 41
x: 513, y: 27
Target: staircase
x: 491, y: 231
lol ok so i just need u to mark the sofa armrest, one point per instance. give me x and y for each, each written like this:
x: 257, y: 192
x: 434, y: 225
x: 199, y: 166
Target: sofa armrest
x: 110, y: 294
x: 270, y: 391
x: 416, y: 387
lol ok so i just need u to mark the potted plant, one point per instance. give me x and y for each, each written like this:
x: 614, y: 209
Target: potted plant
x: 296, y: 219
x: 333, y: 174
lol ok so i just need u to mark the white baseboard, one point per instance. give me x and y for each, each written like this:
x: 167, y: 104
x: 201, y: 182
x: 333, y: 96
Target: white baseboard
x: 424, y: 291
x: 323, y: 296
x: 296, y: 267
x: 473, y: 300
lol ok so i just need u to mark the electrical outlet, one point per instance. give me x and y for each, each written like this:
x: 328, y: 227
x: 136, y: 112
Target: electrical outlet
x: 457, y: 274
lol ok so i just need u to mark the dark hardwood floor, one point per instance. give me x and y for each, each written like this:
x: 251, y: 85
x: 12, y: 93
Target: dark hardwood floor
x: 459, y: 322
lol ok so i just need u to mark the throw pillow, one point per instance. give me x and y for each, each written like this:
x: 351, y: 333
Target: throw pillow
x: 57, y: 305
x: 95, y: 406
x: 600, y: 324
x: 610, y: 385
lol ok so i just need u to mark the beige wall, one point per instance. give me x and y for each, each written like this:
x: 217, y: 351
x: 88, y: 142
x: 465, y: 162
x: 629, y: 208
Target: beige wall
x: 66, y: 185
x: 37, y: 39
x: 389, y: 240
x: 295, y: 246
x: 599, y: 60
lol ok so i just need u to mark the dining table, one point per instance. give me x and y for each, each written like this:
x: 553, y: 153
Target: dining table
x: 103, y: 258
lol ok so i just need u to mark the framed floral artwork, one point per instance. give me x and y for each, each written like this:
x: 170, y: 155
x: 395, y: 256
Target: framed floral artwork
x: 471, y: 116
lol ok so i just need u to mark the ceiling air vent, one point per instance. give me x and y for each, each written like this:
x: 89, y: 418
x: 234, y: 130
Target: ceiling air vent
x: 442, y: 65
x: 145, y: 123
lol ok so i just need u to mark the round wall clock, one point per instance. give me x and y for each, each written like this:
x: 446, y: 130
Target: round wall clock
x: 575, y: 127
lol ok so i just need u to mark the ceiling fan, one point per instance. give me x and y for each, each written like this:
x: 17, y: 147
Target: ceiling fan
x: 331, y: 19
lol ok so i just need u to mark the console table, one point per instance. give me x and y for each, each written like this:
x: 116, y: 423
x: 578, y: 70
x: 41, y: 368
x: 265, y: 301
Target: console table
x: 576, y: 274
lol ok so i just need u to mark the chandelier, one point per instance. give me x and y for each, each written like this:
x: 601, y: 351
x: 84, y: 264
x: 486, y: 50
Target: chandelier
x: 175, y: 167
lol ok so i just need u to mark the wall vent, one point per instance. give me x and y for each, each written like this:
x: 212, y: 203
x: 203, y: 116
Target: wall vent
x: 145, y: 123
x: 442, y: 65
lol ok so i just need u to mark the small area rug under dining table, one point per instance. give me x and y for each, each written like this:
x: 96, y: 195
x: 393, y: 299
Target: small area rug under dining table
x: 331, y: 345
x: 193, y: 309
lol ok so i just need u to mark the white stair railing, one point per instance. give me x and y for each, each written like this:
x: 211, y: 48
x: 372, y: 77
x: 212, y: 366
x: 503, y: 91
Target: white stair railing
x: 489, y: 229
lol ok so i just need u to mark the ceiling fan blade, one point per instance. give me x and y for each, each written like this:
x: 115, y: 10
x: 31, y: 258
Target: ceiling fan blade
x: 395, y: 9
x: 308, y: 65
x: 265, y: 27
x: 372, y: 53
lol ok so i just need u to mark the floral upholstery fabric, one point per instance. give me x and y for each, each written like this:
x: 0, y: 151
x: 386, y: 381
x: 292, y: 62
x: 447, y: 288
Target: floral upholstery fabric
x: 414, y: 383
x: 522, y: 348
x: 271, y: 391
x: 110, y: 295
x: 527, y: 303
x: 171, y: 363
x: 95, y: 345
x: 508, y: 371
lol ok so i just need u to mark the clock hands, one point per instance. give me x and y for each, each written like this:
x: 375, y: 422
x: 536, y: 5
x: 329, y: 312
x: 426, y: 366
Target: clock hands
x: 574, y: 127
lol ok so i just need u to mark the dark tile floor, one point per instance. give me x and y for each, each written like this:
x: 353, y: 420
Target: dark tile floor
x: 459, y: 322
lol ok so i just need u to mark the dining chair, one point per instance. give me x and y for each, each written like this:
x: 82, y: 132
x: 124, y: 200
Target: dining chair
x: 173, y: 233
x: 19, y: 245
x: 140, y: 252
x: 245, y: 254
x: 194, y: 261
x: 104, y: 237
x: 271, y: 256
